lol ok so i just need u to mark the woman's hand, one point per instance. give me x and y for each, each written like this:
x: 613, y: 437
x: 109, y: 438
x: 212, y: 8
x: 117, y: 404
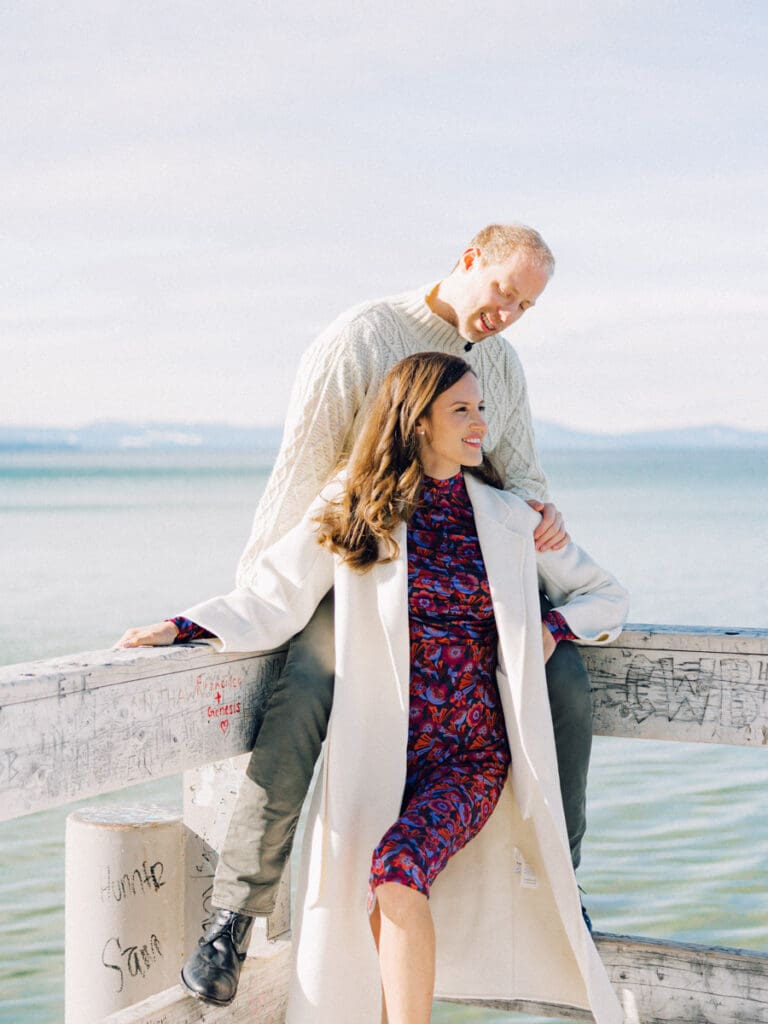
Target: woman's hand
x: 550, y: 534
x: 159, y: 635
x: 548, y: 641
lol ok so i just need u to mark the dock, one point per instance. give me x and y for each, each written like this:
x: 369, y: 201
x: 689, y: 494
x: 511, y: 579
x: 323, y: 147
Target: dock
x: 100, y: 721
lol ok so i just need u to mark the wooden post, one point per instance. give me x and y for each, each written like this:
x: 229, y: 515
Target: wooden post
x: 124, y: 895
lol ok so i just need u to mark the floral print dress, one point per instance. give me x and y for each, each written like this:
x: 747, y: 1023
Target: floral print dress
x: 458, y: 756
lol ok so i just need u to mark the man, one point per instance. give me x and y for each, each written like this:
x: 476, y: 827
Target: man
x: 498, y: 277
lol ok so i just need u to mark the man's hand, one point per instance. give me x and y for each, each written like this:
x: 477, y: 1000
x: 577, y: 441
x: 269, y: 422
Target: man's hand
x: 159, y: 635
x: 550, y: 534
x: 549, y: 643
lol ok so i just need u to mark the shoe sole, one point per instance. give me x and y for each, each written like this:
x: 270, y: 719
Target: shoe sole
x: 201, y: 998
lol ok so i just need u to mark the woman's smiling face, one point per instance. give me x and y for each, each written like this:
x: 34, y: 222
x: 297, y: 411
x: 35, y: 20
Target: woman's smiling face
x: 451, y: 433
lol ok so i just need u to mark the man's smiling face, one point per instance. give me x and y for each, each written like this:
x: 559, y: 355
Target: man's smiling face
x: 493, y: 296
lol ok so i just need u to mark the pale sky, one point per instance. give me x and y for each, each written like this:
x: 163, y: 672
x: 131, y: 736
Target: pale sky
x: 190, y: 191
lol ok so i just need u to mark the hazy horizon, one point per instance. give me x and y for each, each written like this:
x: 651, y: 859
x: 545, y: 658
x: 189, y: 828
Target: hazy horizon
x: 179, y: 436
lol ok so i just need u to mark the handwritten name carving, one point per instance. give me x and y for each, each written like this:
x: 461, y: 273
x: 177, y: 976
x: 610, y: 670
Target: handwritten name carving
x: 222, y: 712
x: 215, y: 683
x: 135, y: 961
x: 143, y: 879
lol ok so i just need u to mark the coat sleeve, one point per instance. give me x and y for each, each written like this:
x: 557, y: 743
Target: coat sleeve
x: 593, y: 603
x: 289, y: 580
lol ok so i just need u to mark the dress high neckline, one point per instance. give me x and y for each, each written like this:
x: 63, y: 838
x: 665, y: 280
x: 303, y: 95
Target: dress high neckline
x: 444, y: 482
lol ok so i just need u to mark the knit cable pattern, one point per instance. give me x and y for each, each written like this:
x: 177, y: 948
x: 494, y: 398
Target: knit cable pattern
x: 337, y: 379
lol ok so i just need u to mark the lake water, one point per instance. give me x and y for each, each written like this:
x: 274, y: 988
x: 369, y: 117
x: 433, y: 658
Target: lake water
x: 678, y: 838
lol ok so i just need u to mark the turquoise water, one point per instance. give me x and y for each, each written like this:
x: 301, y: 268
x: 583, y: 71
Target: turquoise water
x: 677, y: 845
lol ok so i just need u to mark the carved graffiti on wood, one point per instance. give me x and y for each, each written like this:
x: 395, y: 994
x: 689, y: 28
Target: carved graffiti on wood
x: 222, y: 711
x: 722, y: 689
x: 205, y: 869
x: 88, y: 740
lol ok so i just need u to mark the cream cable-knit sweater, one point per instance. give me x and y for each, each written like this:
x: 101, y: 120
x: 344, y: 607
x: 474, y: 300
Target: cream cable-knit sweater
x: 339, y: 376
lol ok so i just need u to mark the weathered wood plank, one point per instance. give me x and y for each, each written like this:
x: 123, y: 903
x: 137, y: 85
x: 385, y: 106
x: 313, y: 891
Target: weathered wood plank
x: 663, y: 982
x: 680, y: 683
x: 90, y: 723
x: 98, y: 722
x: 682, y: 983
x: 262, y: 996
x: 658, y: 983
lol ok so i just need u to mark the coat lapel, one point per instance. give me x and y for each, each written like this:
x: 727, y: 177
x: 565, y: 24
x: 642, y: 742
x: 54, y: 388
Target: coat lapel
x: 504, y: 531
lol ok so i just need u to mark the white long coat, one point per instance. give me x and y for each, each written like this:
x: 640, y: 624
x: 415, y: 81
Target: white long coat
x: 506, y: 908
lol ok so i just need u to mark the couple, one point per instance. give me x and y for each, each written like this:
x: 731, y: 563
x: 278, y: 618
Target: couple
x: 440, y: 651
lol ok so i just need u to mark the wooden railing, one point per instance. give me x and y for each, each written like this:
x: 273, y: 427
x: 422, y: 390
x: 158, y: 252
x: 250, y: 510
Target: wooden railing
x: 92, y: 723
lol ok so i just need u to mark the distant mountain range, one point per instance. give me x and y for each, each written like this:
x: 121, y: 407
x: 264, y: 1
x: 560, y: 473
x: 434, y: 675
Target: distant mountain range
x: 551, y: 436
x: 117, y: 436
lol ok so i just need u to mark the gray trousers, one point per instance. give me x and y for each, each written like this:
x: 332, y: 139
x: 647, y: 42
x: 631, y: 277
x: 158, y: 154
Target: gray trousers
x: 288, y: 743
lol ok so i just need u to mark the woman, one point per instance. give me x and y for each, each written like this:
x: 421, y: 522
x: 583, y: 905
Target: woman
x: 439, y: 675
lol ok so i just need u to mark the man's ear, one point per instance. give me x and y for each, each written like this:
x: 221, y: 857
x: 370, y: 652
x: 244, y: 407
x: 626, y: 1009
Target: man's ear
x: 470, y: 257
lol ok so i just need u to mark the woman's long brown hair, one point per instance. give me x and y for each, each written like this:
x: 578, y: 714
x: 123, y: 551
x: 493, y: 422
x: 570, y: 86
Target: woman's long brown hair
x: 384, y: 471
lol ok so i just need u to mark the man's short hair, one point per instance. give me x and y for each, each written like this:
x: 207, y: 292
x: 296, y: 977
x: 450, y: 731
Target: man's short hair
x: 498, y: 242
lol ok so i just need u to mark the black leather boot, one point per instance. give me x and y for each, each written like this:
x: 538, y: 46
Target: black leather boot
x: 213, y: 971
